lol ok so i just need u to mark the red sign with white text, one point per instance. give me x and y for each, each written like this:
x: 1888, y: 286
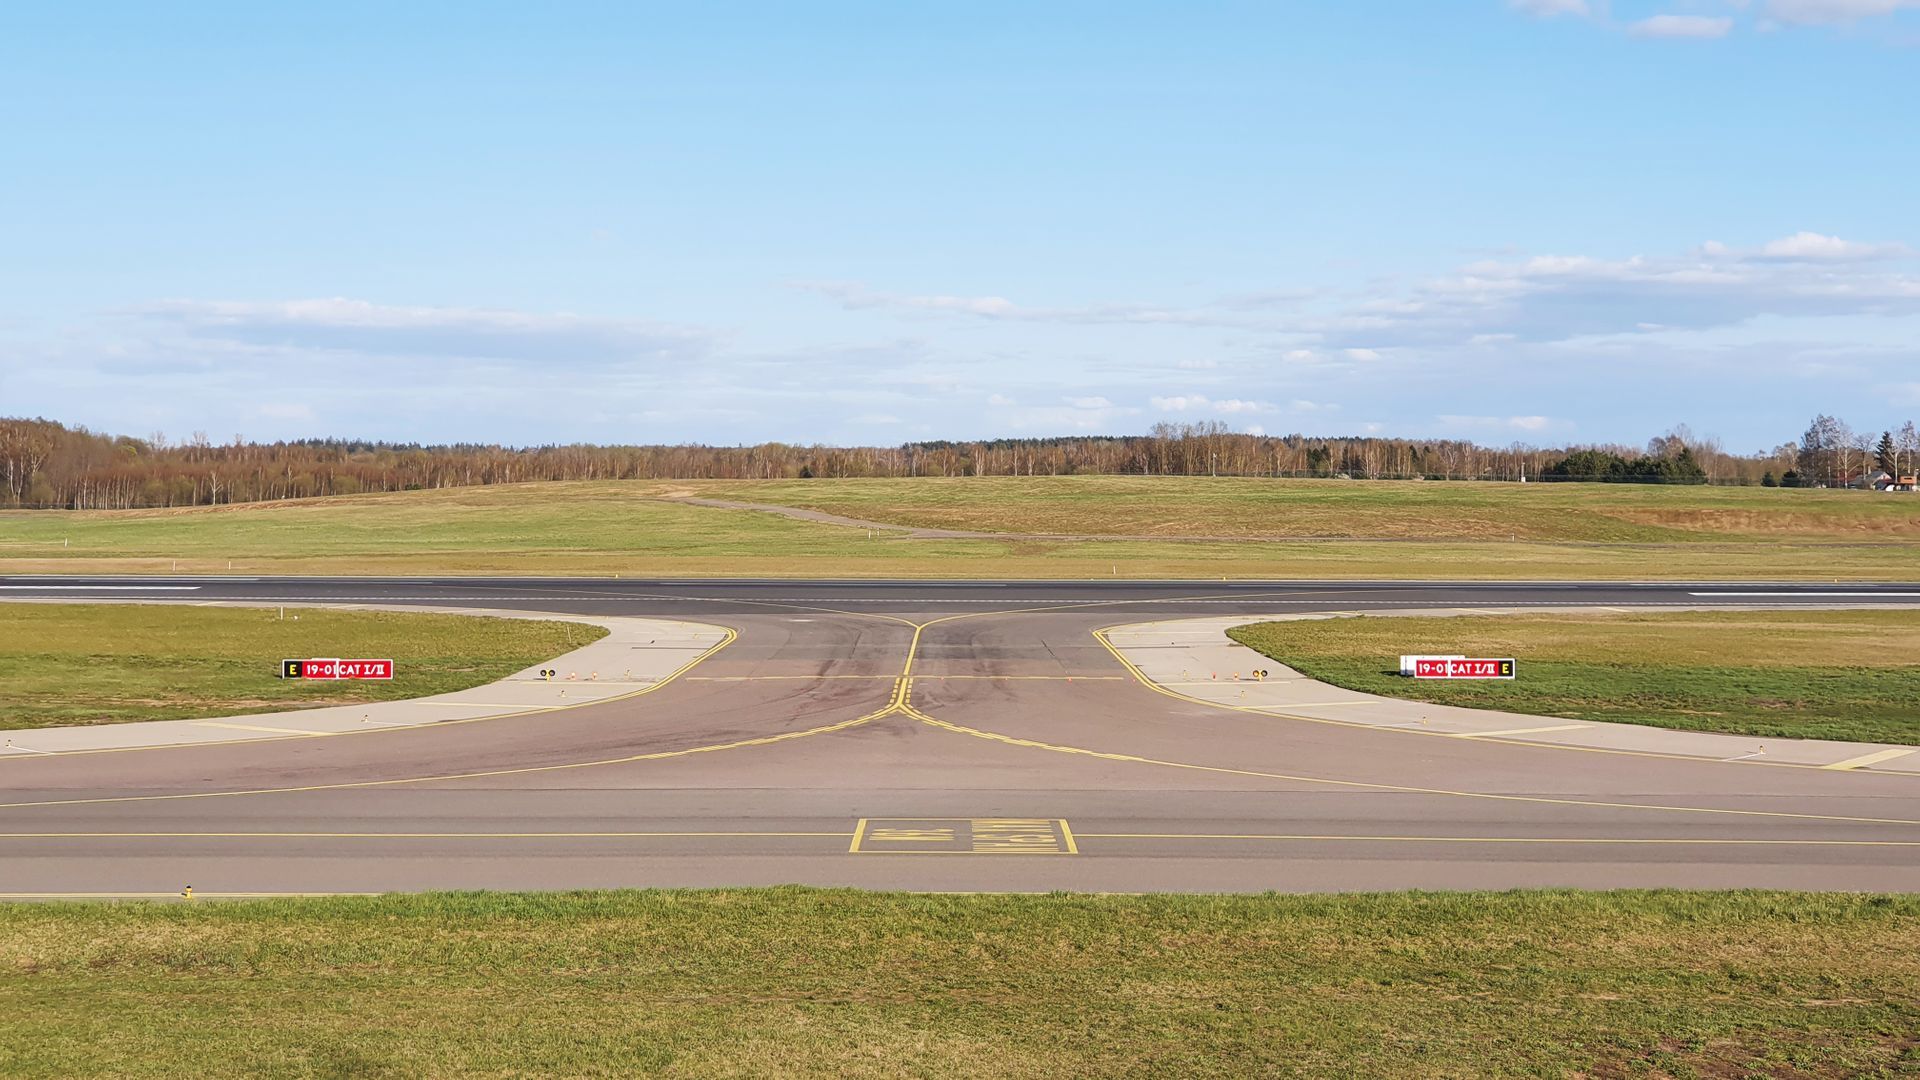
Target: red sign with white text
x: 1463, y: 669
x: 338, y: 669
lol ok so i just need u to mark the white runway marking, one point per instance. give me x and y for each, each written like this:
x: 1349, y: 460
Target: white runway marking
x: 106, y: 588
x: 1811, y: 595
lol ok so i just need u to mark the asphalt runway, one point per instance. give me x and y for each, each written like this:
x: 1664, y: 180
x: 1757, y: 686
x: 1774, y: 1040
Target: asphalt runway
x: 931, y: 735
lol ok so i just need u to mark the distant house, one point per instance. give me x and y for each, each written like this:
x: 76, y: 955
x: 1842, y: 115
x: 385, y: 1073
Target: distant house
x: 1871, y: 480
x: 1897, y: 483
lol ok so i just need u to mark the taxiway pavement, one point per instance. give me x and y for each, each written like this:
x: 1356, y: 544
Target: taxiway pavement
x: 932, y: 735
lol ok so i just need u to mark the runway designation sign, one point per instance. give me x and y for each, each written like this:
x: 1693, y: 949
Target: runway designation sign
x: 1461, y: 668
x: 336, y: 669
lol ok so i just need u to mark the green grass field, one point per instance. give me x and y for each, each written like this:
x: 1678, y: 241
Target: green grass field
x: 794, y: 982
x: 1805, y: 674
x: 1239, y: 507
x: 1403, y: 530
x: 111, y: 663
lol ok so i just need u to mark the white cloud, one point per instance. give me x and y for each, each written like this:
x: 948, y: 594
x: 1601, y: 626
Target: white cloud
x: 1829, y: 12
x: 357, y: 326
x: 1681, y: 26
x: 1557, y: 298
x: 1361, y: 354
x: 1549, y: 8
x: 1001, y: 401
x: 1201, y: 403
x: 854, y: 296
x: 1812, y: 246
x: 1089, y: 402
x: 1483, y: 423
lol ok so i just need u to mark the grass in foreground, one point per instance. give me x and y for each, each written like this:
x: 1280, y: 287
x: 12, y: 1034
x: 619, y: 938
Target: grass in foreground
x: 1801, y: 674
x: 111, y: 663
x: 830, y: 983
x: 1406, y: 530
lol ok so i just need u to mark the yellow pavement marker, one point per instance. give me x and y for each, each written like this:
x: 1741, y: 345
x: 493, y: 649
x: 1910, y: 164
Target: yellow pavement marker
x: 962, y: 836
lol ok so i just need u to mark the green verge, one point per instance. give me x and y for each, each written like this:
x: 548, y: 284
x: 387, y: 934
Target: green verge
x: 112, y: 663
x: 800, y: 982
x: 1246, y: 507
x: 1851, y: 675
x: 1403, y: 530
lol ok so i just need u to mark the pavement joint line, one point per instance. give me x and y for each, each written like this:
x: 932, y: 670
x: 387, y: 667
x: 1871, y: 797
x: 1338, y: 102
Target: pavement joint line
x: 1320, y: 705
x: 258, y: 727
x: 1519, y: 731
x: 1871, y: 759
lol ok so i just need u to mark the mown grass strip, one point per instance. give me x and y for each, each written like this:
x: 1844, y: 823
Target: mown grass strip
x: 804, y: 982
x: 1851, y: 675
x: 113, y: 663
x: 1336, y: 529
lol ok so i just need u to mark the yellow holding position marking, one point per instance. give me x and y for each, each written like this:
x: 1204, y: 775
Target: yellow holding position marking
x: 962, y: 836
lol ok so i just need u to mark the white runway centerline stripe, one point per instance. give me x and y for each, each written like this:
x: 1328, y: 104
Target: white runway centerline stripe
x: 104, y: 588
x: 1808, y: 595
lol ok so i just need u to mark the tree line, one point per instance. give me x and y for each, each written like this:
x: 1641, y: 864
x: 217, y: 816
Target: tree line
x: 1832, y: 454
x: 47, y: 464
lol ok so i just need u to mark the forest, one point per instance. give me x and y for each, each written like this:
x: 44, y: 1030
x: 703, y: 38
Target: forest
x: 46, y: 464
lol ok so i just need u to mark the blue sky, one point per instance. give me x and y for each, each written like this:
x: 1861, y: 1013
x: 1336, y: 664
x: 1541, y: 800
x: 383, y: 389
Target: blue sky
x: 1540, y: 220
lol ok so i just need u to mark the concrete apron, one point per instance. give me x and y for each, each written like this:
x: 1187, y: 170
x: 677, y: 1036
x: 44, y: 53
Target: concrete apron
x: 635, y: 656
x: 1195, y: 660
